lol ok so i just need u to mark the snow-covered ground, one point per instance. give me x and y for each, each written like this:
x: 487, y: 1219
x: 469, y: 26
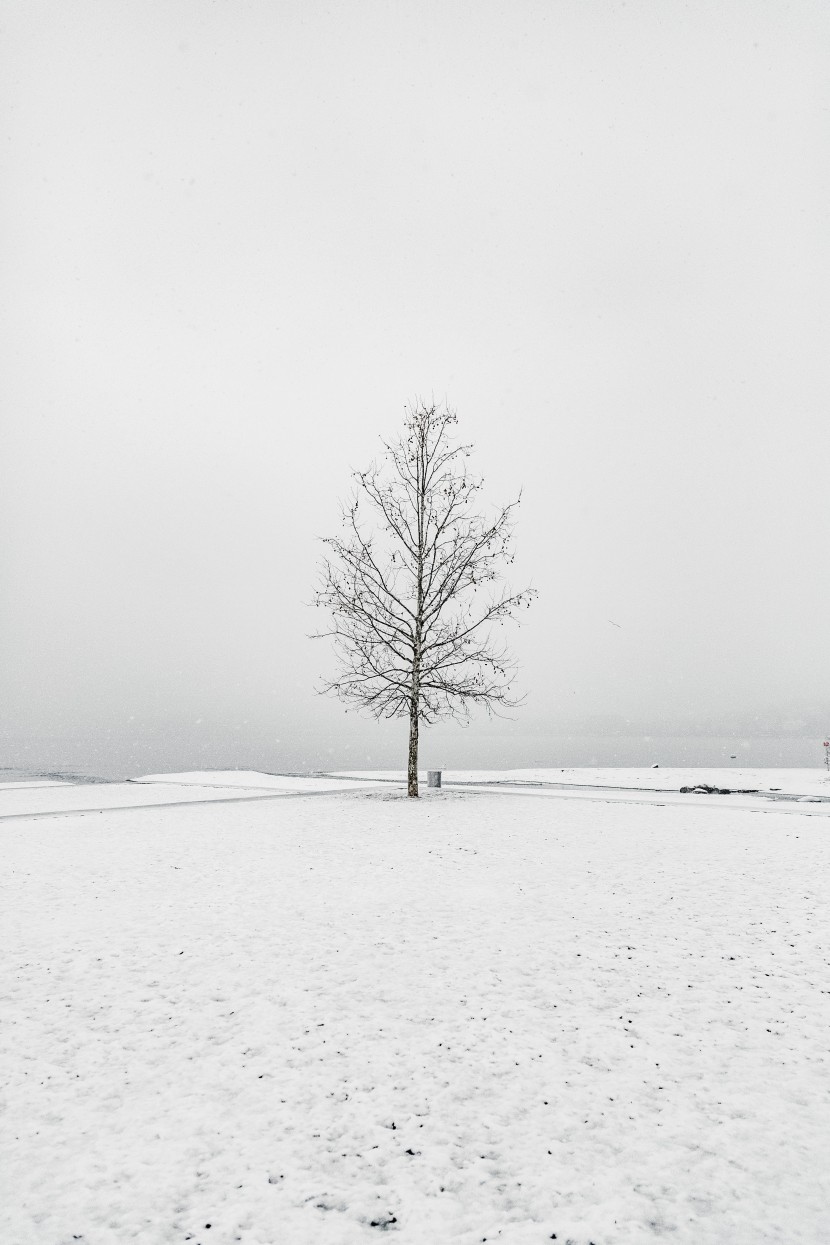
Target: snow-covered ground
x: 814, y: 781
x: 252, y: 780
x: 475, y: 1017
x: 788, y: 781
x: 22, y: 799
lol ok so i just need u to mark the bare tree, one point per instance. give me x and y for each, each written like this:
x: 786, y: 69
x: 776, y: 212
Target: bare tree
x: 414, y: 587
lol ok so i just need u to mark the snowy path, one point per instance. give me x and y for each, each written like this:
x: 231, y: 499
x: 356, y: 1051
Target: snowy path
x: 463, y: 1018
x: 771, y: 783
x: 658, y: 799
x: 62, y: 799
x: 31, y: 801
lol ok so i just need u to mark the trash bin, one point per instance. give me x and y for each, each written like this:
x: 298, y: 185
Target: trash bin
x: 433, y: 778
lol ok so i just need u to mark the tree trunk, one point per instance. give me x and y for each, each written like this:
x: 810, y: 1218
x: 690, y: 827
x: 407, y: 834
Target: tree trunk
x: 412, y: 772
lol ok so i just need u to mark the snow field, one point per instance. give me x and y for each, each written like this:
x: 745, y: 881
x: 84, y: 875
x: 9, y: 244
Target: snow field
x: 814, y: 781
x: 252, y: 780
x: 22, y: 799
x: 93, y: 799
x: 463, y: 1018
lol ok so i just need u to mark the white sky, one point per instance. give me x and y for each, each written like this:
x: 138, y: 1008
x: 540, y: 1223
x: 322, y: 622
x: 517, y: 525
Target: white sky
x: 238, y: 237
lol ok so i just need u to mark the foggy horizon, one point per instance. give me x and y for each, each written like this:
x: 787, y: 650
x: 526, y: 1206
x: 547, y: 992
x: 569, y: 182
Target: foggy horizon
x: 239, y: 239
x: 788, y: 741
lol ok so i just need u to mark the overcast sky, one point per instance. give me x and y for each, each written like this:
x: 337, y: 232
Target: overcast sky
x: 238, y: 237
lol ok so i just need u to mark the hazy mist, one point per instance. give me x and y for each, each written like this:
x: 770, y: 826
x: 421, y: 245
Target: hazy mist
x: 238, y: 238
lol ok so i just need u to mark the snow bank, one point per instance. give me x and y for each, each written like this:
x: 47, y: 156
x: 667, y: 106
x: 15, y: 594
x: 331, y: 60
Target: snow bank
x: 17, y: 784
x: 253, y: 780
x: 478, y: 1016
